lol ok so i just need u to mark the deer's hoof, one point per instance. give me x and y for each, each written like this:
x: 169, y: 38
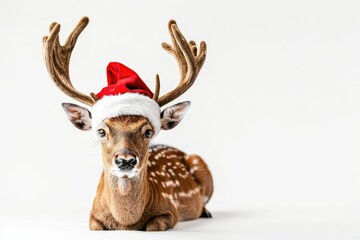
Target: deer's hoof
x: 205, y: 214
x: 156, y: 224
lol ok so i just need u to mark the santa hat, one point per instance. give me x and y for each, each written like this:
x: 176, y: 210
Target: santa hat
x: 126, y: 94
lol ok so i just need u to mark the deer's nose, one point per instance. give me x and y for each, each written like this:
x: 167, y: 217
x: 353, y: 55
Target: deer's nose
x: 126, y: 160
x: 126, y: 164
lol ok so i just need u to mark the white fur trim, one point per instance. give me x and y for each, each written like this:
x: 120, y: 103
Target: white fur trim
x: 126, y: 104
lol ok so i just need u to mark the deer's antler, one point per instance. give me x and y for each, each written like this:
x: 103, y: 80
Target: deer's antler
x: 189, y: 61
x: 57, y: 59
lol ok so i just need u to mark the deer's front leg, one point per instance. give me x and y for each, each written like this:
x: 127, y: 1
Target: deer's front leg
x: 95, y: 224
x: 161, y: 223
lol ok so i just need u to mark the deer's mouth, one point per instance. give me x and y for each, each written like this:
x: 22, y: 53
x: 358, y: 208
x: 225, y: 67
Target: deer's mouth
x: 124, y: 173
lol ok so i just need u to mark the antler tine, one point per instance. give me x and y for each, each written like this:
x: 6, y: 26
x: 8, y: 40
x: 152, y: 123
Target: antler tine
x: 189, y: 60
x: 157, y: 88
x: 193, y: 47
x: 57, y: 60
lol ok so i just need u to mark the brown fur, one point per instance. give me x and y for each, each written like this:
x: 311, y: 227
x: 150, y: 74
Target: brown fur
x: 169, y: 187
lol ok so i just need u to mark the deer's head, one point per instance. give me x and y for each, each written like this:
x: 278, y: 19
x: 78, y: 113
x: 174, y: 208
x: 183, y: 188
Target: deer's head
x: 124, y: 123
x: 125, y: 139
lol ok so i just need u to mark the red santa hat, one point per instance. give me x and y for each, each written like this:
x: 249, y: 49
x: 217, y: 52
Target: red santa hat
x: 126, y: 94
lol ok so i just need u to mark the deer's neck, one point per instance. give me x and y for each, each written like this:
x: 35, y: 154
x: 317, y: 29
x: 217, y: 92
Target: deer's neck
x: 127, y: 198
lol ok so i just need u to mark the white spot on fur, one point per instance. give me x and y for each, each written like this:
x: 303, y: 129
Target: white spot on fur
x: 194, y: 169
x: 182, y: 176
x: 188, y: 194
x: 171, y: 156
x: 171, y: 172
x: 169, y: 183
x: 177, y: 183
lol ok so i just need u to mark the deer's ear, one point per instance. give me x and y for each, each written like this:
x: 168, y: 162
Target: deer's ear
x: 172, y: 116
x: 80, y: 117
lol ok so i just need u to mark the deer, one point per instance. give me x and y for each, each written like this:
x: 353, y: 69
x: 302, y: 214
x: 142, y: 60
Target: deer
x: 143, y: 186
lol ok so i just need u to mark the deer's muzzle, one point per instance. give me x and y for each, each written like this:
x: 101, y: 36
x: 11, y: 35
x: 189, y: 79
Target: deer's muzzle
x: 126, y: 159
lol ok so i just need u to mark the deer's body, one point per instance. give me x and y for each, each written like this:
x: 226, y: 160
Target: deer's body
x: 172, y: 188
x: 142, y: 187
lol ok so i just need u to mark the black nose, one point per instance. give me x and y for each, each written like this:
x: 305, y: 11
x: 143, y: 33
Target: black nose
x: 126, y: 164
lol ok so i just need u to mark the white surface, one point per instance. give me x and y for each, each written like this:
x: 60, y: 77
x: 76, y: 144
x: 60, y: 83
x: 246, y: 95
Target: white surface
x: 275, y: 112
x: 306, y: 223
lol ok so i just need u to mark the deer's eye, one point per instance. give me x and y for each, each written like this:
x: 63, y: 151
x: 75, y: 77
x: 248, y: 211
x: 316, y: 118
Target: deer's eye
x: 101, y: 132
x: 148, y: 133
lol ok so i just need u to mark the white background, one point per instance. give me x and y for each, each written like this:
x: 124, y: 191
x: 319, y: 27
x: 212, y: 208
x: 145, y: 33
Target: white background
x: 275, y: 113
